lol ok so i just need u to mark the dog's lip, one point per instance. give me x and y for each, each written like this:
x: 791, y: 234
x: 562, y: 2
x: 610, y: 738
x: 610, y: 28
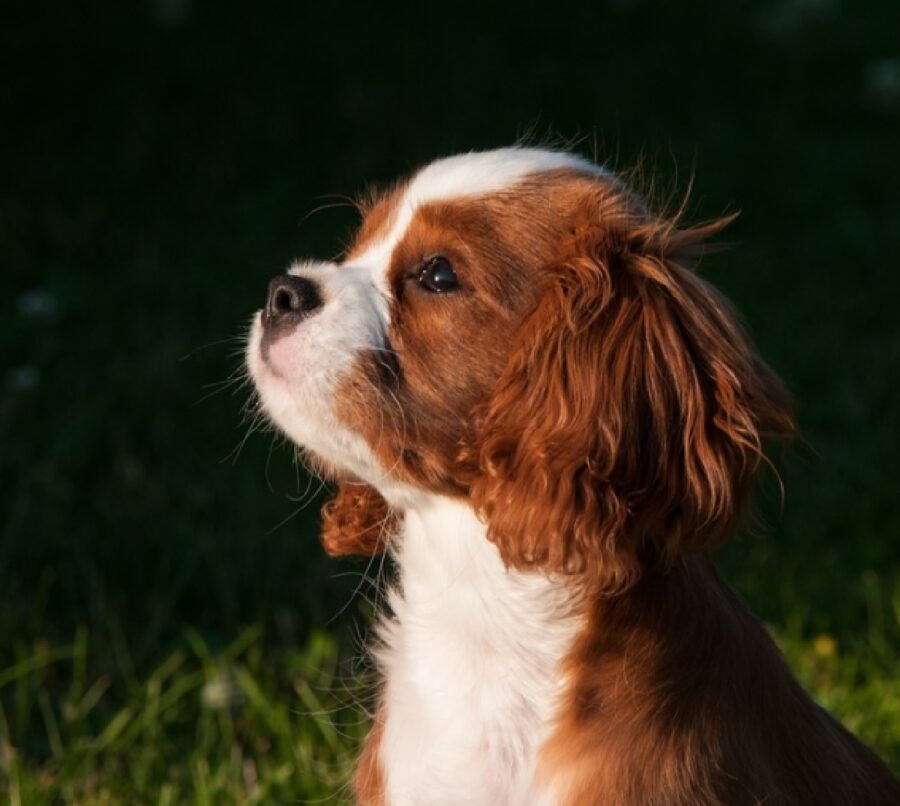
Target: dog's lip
x: 258, y: 352
x: 264, y: 345
x: 269, y: 336
x: 269, y: 340
x: 265, y: 364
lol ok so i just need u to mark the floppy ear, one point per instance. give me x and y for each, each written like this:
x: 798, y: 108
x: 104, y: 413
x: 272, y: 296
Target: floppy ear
x: 629, y: 421
x: 356, y: 521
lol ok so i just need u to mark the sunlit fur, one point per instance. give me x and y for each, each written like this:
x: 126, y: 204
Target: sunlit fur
x: 357, y: 521
x: 549, y: 452
x: 631, y: 414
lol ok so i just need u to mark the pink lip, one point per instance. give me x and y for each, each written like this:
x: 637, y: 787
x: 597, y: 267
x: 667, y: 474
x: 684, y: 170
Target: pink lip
x: 288, y: 356
x: 264, y: 363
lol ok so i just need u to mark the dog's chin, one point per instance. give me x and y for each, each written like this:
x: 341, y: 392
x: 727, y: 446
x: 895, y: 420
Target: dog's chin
x: 298, y: 398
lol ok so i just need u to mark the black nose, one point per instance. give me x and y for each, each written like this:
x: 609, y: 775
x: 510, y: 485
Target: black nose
x: 291, y: 298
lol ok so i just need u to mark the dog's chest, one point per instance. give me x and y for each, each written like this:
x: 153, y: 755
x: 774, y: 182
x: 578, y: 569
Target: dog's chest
x: 471, y: 661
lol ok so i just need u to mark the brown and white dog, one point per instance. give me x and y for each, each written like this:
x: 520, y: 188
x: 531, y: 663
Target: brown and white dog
x: 531, y: 400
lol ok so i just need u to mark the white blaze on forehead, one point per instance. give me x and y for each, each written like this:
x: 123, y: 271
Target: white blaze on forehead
x: 470, y: 174
x: 485, y: 171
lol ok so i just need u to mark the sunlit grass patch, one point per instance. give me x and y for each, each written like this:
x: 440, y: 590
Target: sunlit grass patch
x: 240, y: 725
x: 857, y: 680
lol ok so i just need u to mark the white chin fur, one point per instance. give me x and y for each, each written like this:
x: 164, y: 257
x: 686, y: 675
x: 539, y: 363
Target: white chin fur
x: 300, y: 399
x: 297, y: 388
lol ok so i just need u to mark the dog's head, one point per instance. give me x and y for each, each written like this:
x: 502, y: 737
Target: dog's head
x: 515, y: 327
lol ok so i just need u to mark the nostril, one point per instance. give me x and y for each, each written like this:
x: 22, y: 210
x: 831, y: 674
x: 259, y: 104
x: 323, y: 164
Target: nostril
x: 284, y: 301
x: 290, y: 298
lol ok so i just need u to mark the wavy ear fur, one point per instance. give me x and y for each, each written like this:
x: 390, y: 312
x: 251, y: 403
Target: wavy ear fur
x: 629, y: 421
x: 357, y: 521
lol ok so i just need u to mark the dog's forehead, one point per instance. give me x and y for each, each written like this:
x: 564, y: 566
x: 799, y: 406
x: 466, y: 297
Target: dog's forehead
x: 452, y: 178
x: 485, y: 171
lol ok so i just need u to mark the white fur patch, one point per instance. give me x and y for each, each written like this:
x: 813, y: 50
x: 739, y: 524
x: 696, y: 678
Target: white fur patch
x: 296, y: 384
x: 471, y: 663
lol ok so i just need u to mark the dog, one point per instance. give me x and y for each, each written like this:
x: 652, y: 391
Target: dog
x: 528, y: 396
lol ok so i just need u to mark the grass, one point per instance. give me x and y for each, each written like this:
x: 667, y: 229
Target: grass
x: 170, y: 631
x: 201, y: 726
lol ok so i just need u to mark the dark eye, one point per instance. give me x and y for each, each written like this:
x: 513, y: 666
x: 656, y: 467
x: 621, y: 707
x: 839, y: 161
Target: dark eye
x: 437, y: 276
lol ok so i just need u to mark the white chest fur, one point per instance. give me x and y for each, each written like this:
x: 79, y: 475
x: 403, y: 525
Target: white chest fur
x: 471, y: 660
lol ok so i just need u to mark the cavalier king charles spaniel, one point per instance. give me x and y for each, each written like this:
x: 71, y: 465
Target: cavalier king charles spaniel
x: 529, y: 398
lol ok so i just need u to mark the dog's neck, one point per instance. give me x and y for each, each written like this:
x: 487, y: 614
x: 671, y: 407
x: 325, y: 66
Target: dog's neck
x: 471, y: 660
x: 505, y: 688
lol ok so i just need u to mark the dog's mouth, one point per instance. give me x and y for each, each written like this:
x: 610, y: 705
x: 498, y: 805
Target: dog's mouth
x: 280, y: 354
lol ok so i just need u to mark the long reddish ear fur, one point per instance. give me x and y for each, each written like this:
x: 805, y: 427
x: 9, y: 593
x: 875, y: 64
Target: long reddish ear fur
x: 630, y: 419
x: 357, y: 521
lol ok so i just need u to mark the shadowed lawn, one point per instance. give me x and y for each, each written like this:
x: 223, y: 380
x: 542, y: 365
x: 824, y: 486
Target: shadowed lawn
x: 169, y: 629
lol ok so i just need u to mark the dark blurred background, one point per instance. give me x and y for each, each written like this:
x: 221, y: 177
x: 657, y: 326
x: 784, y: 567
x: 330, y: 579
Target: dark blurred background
x: 158, y: 162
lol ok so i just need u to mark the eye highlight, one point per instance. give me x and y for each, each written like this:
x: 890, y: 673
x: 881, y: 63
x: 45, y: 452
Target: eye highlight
x: 437, y: 276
